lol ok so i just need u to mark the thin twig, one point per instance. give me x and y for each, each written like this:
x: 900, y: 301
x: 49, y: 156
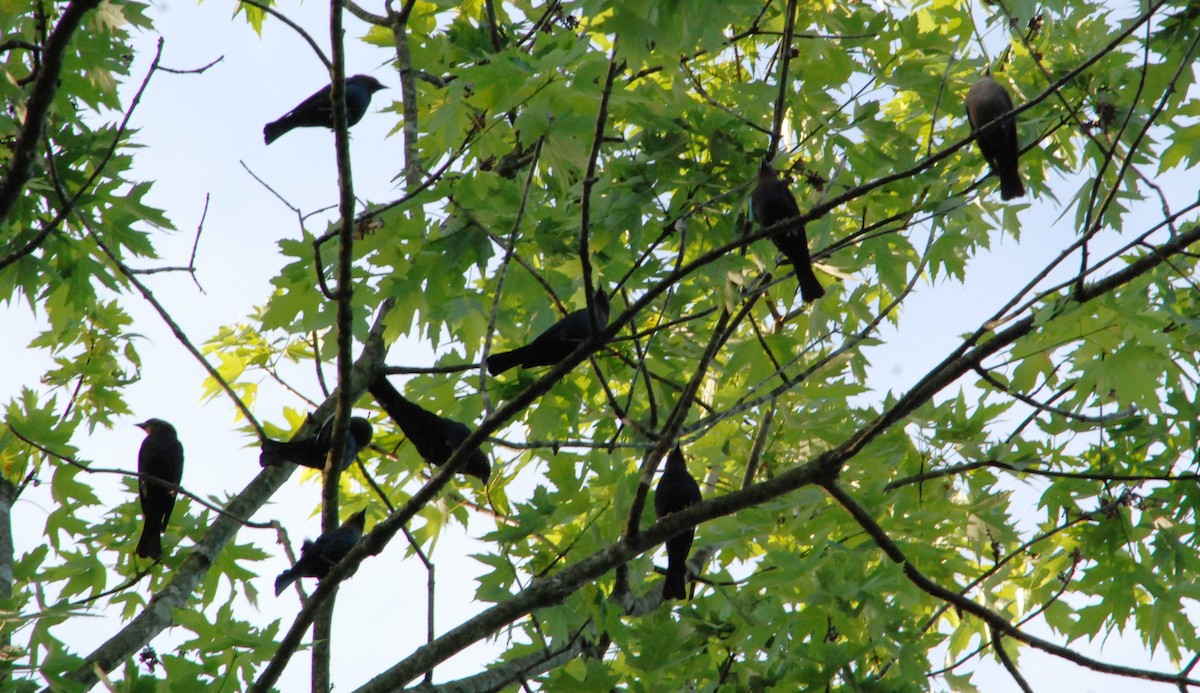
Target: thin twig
x: 135, y: 475
x: 1001, y: 625
x: 760, y: 442
x: 295, y: 27
x: 1083, y: 418
x: 502, y: 274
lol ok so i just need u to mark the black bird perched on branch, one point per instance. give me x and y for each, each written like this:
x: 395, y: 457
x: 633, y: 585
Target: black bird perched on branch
x: 318, y: 557
x: 556, y: 343
x: 772, y: 202
x: 986, y: 102
x: 160, y: 458
x: 317, y: 110
x: 311, y: 452
x: 434, y: 437
x: 676, y: 490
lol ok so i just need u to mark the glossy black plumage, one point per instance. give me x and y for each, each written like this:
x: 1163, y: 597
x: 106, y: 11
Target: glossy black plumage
x: 160, y: 457
x: 676, y: 490
x: 772, y: 202
x: 434, y: 437
x: 556, y: 343
x: 317, y: 110
x: 317, y: 557
x: 311, y: 452
x: 987, y: 101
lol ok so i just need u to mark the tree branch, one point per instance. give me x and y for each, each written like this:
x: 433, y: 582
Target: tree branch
x: 589, y: 181
x: 997, y: 623
x: 295, y: 27
x: 821, y: 469
x: 37, y: 108
x: 408, y: 96
x: 156, y: 617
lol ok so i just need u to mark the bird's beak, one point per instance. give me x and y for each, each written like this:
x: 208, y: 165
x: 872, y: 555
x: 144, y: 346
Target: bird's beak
x: 145, y: 426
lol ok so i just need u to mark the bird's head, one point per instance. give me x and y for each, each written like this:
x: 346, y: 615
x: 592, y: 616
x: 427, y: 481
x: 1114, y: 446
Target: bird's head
x: 602, y: 304
x: 357, y: 521
x: 478, y: 466
x: 360, y: 428
x: 151, y: 426
x: 766, y: 171
x: 367, y: 82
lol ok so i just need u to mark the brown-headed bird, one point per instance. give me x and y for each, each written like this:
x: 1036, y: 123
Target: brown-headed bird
x: 556, y: 343
x: 311, y: 452
x: 987, y: 101
x: 160, y: 458
x: 772, y: 202
x: 676, y: 490
x: 318, y: 557
x: 434, y: 437
x: 317, y: 110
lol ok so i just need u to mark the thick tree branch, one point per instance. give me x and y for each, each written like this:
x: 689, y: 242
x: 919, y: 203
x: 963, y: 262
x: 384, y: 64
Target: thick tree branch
x: 344, y: 295
x: 68, y: 205
x: 785, y: 59
x: 368, y: 17
x: 176, y: 594
x: 510, y: 673
x: 966, y: 358
x: 820, y: 470
x: 8, y: 494
x: 589, y: 181
x: 37, y: 108
x: 556, y: 589
x: 413, y: 168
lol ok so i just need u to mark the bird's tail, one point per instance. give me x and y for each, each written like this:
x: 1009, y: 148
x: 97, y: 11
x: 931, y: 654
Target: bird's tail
x: 1011, y: 186
x: 675, y: 586
x: 274, y: 130
x: 150, y: 544
x: 285, y: 578
x: 272, y: 452
x: 498, y: 363
x: 810, y: 288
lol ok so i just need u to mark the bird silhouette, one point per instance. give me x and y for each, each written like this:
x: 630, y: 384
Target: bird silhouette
x: 317, y: 110
x: 160, y: 458
x: 311, y: 452
x: 987, y: 101
x: 318, y: 557
x: 676, y: 490
x: 772, y: 202
x: 434, y: 437
x: 556, y: 343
